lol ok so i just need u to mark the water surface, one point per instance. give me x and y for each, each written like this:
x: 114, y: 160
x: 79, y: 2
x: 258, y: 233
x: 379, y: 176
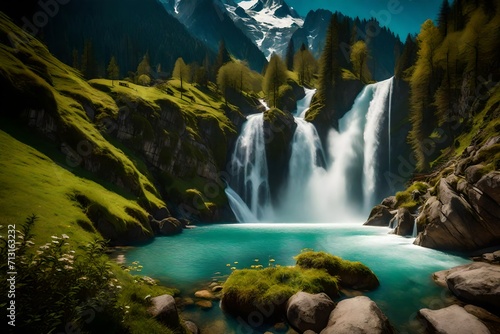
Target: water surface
x: 198, y: 256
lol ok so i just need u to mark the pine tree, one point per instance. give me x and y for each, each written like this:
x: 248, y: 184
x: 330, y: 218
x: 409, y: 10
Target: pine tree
x: 329, y: 72
x: 76, y: 62
x: 223, y: 57
x: 444, y: 13
x: 290, y: 52
x: 113, y: 70
x: 144, y: 68
x: 88, y: 61
x: 276, y: 75
x: 407, y: 58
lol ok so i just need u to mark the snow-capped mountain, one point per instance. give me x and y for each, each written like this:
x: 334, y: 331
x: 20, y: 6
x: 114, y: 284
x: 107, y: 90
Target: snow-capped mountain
x: 210, y: 21
x: 269, y: 23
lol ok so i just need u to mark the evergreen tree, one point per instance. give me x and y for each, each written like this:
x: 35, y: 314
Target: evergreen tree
x: 276, y: 75
x: 223, y: 57
x: 144, y: 68
x: 76, y: 57
x: 305, y: 65
x: 88, y: 61
x: 407, y: 58
x: 359, y: 57
x: 444, y: 13
x: 423, y: 83
x: 113, y: 70
x: 181, y: 72
x: 290, y: 52
x: 329, y: 72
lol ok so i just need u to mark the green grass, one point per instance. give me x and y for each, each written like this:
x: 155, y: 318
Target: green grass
x: 405, y: 199
x: 33, y: 183
x: 351, y: 274
x: 246, y: 289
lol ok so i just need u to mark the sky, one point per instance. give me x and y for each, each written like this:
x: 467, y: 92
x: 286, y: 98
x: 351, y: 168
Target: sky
x: 401, y: 16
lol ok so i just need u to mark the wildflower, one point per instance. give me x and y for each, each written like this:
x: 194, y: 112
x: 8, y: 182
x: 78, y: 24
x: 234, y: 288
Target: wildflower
x: 228, y: 265
x: 55, y: 242
x: 235, y: 262
x: 54, y: 237
x: 65, y: 236
x: 256, y: 260
x: 127, y: 307
x: 39, y: 252
x: 83, y: 278
x: 118, y: 286
x: 68, y: 267
x: 233, y: 268
x: 148, y: 296
x: 72, y: 251
x: 29, y: 242
x: 272, y: 260
x: 20, y: 237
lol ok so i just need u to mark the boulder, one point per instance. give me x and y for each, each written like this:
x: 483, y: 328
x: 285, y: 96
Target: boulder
x: 406, y: 222
x: 357, y: 315
x: 204, y: 294
x: 452, y: 320
x: 390, y: 202
x: 204, y: 304
x: 169, y: 226
x: 477, y: 284
x: 191, y: 327
x: 164, y: 310
x: 162, y: 213
x: 379, y: 216
x: 306, y: 311
x: 488, y: 319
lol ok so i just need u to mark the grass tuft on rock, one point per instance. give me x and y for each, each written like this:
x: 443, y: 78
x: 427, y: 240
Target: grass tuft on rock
x: 247, y: 290
x: 351, y: 274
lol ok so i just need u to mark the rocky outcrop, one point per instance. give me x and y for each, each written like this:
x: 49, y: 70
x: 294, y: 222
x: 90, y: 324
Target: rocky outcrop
x: 307, y: 311
x: 488, y: 319
x: 379, y: 216
x: 452, y: 320
x: 163, y: 308
x: 464, y: 213
x: 166, y: 227
x: 191, y: 327
x: 357, y: 315
x: 404, y: 222
x: 279, y: 128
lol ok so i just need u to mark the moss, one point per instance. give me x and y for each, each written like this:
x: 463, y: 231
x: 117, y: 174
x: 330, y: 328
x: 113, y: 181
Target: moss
x: 352, y: 274
x: 406, y: 199
x: 248, y: 289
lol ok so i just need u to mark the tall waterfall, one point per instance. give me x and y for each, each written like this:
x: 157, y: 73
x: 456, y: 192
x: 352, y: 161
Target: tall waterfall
x: 249, y: 168
x: 337, y: 183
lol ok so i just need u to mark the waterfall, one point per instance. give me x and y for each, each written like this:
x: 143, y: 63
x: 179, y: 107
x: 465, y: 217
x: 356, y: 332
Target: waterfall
x: 374, y: 117
x: 303, y: 105
x: 249, y: 168
x: 239, y: 207
x: 337, y: 183
x: 389, y: 117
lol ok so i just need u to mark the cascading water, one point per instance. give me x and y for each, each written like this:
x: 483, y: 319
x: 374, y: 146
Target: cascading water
x: 378, y: 106
x: 249, y: 168
x: 320, y: 187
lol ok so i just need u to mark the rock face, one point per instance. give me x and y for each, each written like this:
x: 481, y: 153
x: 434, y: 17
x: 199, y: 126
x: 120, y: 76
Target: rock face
x: 464, y: 214
x: 279, y: 128
x: 379, y: 216
x: 306, y: 311
x: 405, y: 222
x: 357, y: 315
x: 452, y: 320
x: 163, y: 308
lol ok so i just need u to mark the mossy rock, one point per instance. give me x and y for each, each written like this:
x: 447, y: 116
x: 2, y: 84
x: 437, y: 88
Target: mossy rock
x: 354, y: 275
x: 253, y: 290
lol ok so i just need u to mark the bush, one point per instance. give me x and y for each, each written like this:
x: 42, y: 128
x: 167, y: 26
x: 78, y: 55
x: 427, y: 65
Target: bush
x: 57, y: 286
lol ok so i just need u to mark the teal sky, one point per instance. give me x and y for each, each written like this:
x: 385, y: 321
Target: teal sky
x: 401, y: 16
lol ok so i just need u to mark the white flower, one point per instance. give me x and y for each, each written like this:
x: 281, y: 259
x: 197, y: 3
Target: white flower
x: 54, y: 237
x: 55, y: 242
x: 65, y: 236
x: 118, y: 286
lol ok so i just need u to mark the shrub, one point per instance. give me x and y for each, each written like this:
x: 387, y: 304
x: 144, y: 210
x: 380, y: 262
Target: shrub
x: 58, y: 286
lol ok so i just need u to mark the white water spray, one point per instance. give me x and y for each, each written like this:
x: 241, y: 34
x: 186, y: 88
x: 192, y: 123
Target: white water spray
x: 249, y: 168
